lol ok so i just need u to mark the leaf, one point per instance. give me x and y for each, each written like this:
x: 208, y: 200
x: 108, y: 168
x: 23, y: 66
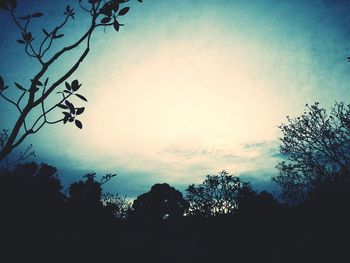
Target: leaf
x: 116, y: 25
x: 105, y: 20
x: 45, y: 32
x: 38, y: 14
x: 65, y: 119
x: 79, y: 111
x: 20, y: 87
x: 62, y: 106
x: 123, y: 11
x: 68, y: 86
x: 21, y: 41
x: 67, y: 116
x: 70, y: 107
x: 47, y: 79
x: 106, y: 9
x: 115, y: 6
x: 59, y: 36
x: 81, y: 97
x: 75, y: 85
x: 78, y: 124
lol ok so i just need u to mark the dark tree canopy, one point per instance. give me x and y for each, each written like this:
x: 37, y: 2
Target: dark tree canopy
x: 161, y: 202
x: 86, y: 192
x: 316, y: 147
x: 218, y: 195
x: 31, y: 184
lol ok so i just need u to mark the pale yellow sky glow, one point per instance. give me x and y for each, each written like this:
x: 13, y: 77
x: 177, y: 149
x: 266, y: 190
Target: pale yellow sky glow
x: 184, y: 106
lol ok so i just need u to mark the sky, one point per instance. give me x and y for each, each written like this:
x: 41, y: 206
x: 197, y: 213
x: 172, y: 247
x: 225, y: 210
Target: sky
x: 185, y: 88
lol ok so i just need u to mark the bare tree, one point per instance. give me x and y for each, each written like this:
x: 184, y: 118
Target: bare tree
x: 34, y: 95
x: 217, y: 195
x: 316, y: 147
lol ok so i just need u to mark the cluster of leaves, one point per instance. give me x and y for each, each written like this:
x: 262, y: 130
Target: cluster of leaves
x: 73, y: 112
x: 316, y: 146
x: 69, y: 12
x: 27, y: 36
x: 106, y: 178
x: 111, y: 12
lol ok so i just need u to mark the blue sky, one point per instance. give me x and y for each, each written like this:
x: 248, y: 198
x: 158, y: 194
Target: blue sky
x: 187, y: 88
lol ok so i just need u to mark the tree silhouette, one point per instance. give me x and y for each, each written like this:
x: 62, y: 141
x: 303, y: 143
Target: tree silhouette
x: 316, y: 147
x: 87, y: 194
x: 32, y: 209
x: 31, y: 184
x: 42, y: 222
x: 218, y: 195
x: 33, y: 96
x: 161, y: 202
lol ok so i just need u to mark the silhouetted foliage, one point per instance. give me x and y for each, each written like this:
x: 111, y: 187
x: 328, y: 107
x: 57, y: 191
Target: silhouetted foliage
x: 31, y: 183
x: 39, y: 223
x: 32, y: 208
x: 218, y: 195
x: 35, y: 93
x: 161, y: 202
x: 317, y: 148
x: 120, y: 207
x: 86, y: 192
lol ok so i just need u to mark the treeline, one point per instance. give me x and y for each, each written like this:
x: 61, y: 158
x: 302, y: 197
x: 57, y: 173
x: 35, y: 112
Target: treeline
x: 221, y: 220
